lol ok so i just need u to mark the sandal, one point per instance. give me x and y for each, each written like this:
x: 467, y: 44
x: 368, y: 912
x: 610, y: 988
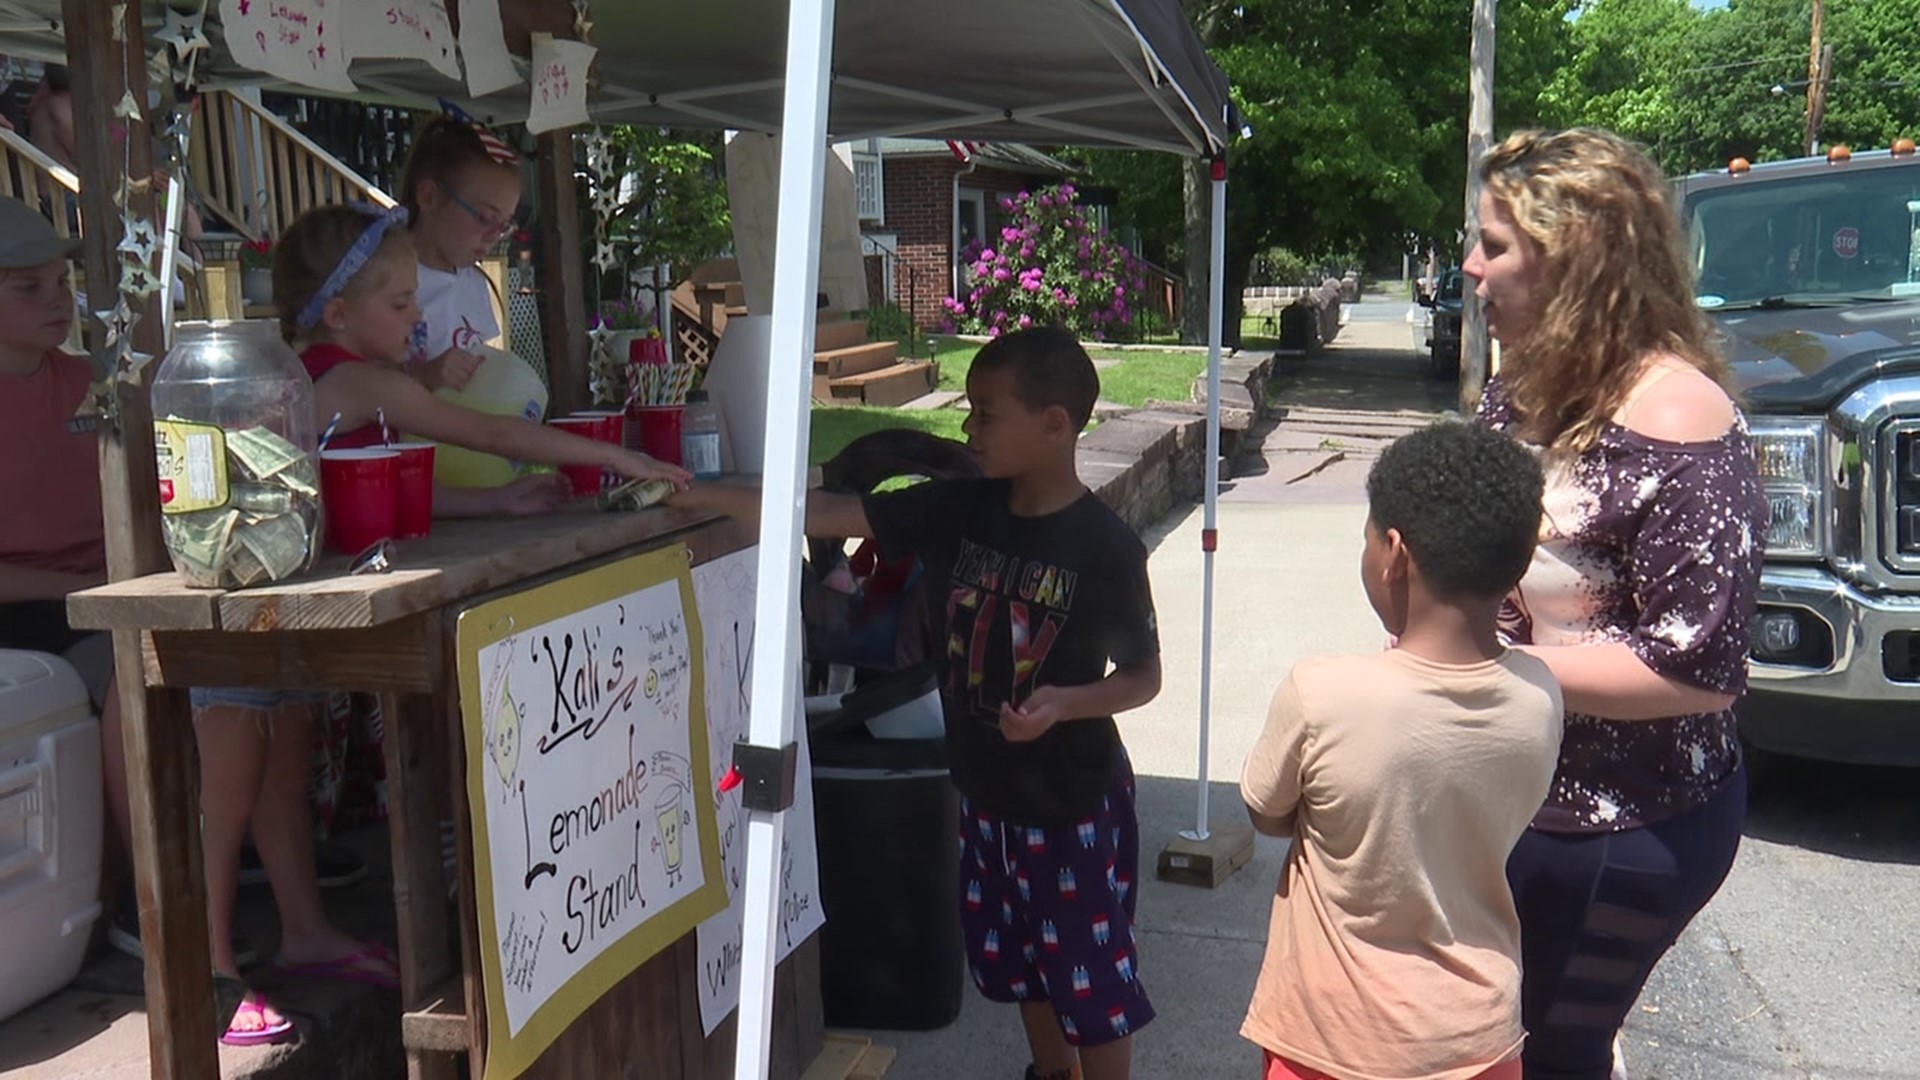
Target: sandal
x: 262, y: 1033
x: 370, y: 965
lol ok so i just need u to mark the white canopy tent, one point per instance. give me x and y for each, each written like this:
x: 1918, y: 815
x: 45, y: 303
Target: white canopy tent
x: 1125, y: 74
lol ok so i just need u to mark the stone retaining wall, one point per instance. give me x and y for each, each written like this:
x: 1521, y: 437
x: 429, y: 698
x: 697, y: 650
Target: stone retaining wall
x: 1144, y: 462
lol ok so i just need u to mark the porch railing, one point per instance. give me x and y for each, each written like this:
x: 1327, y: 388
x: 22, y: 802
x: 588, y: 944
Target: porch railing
x: 258, y: 172
x: 39, y: 181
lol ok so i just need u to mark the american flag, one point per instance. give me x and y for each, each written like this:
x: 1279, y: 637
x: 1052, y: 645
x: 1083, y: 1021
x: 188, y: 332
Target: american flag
x: 965, y: 151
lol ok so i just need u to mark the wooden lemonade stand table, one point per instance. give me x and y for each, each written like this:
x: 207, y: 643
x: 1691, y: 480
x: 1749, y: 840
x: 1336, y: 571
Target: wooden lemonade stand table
x: 394, y: 634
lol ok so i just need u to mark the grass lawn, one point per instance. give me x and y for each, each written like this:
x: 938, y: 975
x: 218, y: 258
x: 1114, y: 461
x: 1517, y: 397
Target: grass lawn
x: 834, y: 426
x: 1139, y: 375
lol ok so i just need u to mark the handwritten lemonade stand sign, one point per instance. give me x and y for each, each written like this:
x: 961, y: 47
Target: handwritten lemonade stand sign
x: 588, y: 770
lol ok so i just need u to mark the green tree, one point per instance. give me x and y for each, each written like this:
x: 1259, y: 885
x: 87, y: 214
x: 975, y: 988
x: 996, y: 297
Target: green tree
x: 1702, y: 87
x: 1358, y: 113
x: 673, y: 209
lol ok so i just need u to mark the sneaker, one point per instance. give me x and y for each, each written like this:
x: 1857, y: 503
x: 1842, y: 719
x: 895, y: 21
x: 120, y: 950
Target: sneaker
x: 335, y: 866
x: 124, y: 935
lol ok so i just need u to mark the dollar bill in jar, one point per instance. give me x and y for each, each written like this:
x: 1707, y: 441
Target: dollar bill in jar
x: 239, y: 507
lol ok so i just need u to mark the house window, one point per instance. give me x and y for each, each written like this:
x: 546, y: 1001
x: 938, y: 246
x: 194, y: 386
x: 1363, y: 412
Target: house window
x: 869, y: 186
x: 969, y: 228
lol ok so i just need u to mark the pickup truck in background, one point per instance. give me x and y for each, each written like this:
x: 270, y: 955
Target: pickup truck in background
x: 1811, y: 268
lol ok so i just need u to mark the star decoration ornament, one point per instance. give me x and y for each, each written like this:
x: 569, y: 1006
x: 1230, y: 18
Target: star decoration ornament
x: 605, y: 201
x: 131, y: 364
x: 138, y: 238
x: 137, y: 280
x: 597, y: 145
x: 603, y: 256
x: 119, y: 18
x: 184, y: 31
x: 100, y: 404
x: 129, y: 107
x: 118, y: 322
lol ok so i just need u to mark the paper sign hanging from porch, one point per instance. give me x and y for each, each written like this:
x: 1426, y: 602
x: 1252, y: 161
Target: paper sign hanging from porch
x: 402, y: 30
x: 296, y: 40
x: 587, y: 771
x: 724, y: 590
x: 483, y: 48
x: 559, y: 84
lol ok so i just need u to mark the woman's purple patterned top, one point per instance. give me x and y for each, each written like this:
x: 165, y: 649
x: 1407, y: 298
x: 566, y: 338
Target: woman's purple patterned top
x: 1656, y: 544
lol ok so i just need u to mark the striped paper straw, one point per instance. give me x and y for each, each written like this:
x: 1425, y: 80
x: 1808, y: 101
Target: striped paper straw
x: 327, y: 435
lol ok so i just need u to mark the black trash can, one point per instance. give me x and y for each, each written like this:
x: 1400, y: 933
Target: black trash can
x: 886, y: 819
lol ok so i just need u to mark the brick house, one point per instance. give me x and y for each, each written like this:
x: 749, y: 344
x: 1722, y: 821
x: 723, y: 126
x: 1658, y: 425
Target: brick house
x: 924, y: 200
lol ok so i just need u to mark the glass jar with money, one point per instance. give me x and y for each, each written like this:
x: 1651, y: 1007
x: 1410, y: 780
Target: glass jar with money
x: 233, y: 432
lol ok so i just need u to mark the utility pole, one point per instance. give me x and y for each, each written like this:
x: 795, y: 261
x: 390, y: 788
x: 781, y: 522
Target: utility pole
x: 1816, y: 80
x: 1817, y: 100
x: 1473, y: 321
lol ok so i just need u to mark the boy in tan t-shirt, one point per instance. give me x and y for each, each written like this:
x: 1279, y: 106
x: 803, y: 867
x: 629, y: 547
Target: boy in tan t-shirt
x: 1404, y: 780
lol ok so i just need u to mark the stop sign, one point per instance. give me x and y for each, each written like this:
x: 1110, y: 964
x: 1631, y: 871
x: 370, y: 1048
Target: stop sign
x: 1846, y: 242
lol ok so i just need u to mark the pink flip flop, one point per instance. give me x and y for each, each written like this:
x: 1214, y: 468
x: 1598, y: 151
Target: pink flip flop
x: 265, y: 1034
x: 370, y: 965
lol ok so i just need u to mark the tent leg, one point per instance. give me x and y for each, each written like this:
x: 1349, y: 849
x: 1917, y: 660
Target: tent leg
x: 1203, y: 855
x: 776, y: 660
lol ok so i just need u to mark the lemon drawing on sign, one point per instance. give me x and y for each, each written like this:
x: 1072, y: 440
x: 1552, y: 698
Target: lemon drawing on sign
x: 505, y: 743
x: 653, y: 683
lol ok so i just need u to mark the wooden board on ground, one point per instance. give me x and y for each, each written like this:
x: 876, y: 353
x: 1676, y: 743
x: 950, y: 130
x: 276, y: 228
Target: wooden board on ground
x: 850, y: 1057
x: 1207, y: 862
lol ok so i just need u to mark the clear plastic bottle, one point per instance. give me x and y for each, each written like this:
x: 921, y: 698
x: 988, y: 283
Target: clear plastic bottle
x: 700, y: 437
x: 233, y: 430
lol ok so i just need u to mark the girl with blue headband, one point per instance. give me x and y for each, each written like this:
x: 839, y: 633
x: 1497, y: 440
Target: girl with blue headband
x: 344, y: 281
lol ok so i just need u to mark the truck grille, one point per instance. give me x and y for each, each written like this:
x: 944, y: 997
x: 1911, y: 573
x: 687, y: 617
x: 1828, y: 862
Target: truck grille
x: 1900, y: 531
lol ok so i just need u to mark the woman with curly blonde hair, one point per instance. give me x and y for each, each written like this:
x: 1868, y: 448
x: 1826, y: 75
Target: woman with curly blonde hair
x: 1642, y: 586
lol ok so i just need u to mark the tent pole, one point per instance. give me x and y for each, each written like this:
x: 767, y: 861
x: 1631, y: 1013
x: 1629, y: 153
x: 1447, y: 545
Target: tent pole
x: 1209, y: 534
x: 776, y: 661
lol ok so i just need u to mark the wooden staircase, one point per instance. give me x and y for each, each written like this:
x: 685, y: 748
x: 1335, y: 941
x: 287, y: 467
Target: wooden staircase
x: 847, y: 368
x: 259, y: 172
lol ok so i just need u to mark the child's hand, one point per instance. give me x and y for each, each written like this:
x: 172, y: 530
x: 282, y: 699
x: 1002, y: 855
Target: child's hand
x: 529, y: 495
x: 452, y: 369
x: 637, y: 466
x: 1045, y: 707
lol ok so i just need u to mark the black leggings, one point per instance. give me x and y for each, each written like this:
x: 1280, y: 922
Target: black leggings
x: 1597, y: 911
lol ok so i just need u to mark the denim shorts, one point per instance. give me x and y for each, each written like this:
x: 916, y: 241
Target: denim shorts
x: 249, y: 698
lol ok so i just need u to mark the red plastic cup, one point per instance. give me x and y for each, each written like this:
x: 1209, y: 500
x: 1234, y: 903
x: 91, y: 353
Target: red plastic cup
x: 609, y: 427
x: 413, y: 489
x: 647, y: 350
x: 586, y: 479
x: 659, y: 430
x: 357, y: 495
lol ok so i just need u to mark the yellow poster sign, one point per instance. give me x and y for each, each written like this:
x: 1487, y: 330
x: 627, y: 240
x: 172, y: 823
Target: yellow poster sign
x: 588, y: 774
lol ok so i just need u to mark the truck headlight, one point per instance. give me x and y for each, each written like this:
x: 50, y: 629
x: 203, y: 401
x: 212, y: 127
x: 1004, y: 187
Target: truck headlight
x: 1791, y: 461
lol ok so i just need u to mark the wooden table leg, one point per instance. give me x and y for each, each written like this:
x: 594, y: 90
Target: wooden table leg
x: 415, y: 807
x: 414, y: 812
x: 157, y: 731
x: 472, y: 983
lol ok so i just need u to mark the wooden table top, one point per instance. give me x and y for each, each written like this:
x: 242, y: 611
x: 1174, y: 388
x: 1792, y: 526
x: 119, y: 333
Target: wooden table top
x: 462, y: 558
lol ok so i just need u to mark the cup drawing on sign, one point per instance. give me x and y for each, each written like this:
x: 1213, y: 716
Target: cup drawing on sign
x: 672, y: 813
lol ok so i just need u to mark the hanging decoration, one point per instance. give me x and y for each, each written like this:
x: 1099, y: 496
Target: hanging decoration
x: 143, y: 246
x: 606, y: 373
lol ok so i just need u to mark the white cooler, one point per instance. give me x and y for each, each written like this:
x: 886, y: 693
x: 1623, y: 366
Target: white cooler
x: 50, y: 807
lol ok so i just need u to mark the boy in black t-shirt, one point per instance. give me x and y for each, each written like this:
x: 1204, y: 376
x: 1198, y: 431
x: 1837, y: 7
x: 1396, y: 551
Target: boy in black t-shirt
x: 1045, y: 587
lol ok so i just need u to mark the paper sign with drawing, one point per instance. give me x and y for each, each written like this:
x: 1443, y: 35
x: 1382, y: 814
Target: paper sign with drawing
x: 724, y: 591
x: 588, y: 766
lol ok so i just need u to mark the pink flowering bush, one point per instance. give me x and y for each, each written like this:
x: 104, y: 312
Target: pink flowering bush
x: 1049, y: 265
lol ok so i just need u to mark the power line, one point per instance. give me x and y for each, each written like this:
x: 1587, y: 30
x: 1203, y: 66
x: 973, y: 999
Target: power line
x: 1738, y: 64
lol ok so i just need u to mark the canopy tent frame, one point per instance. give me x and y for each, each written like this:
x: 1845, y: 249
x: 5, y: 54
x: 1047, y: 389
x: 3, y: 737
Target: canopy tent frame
x: 1190, y: 115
